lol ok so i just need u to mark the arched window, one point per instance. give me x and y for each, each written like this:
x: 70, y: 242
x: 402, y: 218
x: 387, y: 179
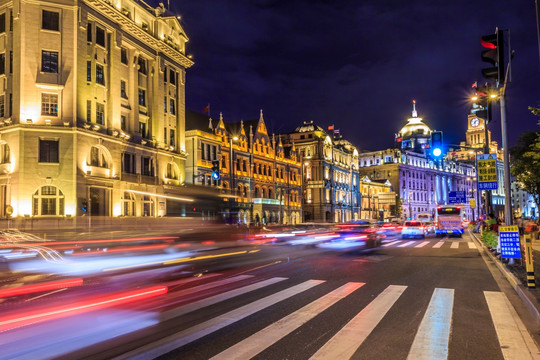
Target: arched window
x: 263, y: 192
x: 257, y: 192
x: 270, y: 193
x: 99, y: 157
x: 48, y: 200
x: 128, y: 204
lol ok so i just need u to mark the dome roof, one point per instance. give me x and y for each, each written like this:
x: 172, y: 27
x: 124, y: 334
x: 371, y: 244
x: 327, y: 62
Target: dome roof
x: 414, y: 126
x: 308, y: 127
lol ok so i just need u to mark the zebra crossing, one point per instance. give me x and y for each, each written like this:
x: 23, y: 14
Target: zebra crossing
x: 431, y: 339
x: 435, y: 244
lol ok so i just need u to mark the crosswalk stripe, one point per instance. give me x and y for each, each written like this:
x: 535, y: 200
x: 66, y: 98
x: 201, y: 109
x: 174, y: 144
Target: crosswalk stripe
x: 431, y: 340
x: 172, y: 342
x: 253, y: 345
x: 515, y: 341
x: 407, y: 244
x: 392, y: 243
x: 439, y: 244
x: 210, y: 285
x: 422, y: 244
x: 472, y: 245
x: 170, y: 314
x: 345, y: 343
x: 455, y: 245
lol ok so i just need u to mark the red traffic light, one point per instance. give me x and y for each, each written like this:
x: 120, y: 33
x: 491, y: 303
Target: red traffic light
x: 489, y: 41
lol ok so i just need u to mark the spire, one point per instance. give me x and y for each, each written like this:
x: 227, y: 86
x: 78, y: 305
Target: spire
x: 210, y: 123
x: 261, y: 117
x: 414, y: 112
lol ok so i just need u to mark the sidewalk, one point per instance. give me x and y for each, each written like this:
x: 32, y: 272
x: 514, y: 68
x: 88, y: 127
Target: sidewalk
x: 516, y: 276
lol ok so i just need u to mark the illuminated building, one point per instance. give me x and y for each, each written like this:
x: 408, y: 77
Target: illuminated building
x: 331, y: 178
x: 260, y: 177
x: 92, y: 110
x: 420, y: 183
x: 378, y: 199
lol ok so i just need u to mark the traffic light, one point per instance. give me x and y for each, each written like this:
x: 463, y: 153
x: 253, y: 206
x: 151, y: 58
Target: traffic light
x: 436, y: 144
x: 215, y: 170
x: 481, y: 102
x: 84, y: 206
x: 494, y: 56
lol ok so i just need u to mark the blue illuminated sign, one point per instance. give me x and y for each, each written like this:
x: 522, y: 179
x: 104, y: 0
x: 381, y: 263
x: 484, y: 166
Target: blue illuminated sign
x: 509, y: 242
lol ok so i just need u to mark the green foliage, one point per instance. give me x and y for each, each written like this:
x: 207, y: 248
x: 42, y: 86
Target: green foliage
x: 399, y: 207
x: 490, y: 238
x: 525, y: 164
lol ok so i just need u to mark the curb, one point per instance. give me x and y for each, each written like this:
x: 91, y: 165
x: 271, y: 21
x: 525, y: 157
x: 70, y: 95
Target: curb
x: 528, y: 299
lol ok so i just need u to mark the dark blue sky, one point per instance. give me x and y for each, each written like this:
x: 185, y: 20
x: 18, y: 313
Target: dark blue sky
x: 356, y: 64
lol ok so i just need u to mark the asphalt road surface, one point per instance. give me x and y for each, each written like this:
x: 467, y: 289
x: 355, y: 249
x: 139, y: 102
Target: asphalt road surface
x: 411, y: 299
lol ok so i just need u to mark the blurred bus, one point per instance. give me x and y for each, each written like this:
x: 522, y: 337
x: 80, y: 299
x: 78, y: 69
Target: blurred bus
x: 449, y: 220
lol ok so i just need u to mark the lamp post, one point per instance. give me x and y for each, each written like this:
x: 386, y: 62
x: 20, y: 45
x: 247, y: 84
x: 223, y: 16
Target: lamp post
x: 231, y: 165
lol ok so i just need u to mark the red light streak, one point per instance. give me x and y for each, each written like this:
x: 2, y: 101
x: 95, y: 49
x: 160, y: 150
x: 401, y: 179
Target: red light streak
x: 120, y: 249
x: 24, y: 319
x: 34, y: 288
x: 48, y: 243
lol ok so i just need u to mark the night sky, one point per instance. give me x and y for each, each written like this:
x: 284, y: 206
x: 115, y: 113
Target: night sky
x: 356, y: 64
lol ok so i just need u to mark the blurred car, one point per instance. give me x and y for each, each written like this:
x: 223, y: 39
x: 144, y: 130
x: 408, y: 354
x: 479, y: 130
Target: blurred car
x: 390, y: 229
x: 353, y: 237
x: 429, y: 227
x: 413, y: 229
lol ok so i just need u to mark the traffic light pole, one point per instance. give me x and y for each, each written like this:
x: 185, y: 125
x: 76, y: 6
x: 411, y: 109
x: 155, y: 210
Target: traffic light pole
x: 489, y: 203
x: 507, y: 196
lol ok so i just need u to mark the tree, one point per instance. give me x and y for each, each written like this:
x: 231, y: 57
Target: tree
x: 526, y: 161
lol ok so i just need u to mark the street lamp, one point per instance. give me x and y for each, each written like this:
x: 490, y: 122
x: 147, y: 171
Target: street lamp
x: 231, y: 176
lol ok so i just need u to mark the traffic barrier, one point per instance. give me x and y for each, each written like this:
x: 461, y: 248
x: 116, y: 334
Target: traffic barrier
x: 529, y: 262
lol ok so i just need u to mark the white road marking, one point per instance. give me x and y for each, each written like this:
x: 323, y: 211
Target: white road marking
x: 170, y: 314
x: 253, y: 345
x: 407, y: 243
x: 472, y: 245
x: 431, y: 340
x: 515, y: 341
x: 207, y: 286
x: 345, y: 343
x: 422, y: 244
x: 392, y: 243
x: 455, y: 245
x: 439, y: 244
x: 172, y: 342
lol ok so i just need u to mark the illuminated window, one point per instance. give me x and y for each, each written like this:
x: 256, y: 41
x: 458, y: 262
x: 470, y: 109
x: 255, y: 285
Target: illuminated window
x: 48, y: 200
x: 100, y: 113
x: 49, y: 104
x: 100, y: 36
x: 128, y: 204
x: 50, y: 20
x: 48, y: 151
x: 49, y: 61
x: 98, y: 157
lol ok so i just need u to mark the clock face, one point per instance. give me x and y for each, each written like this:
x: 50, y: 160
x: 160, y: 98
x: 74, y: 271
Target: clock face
x: 475, y: 122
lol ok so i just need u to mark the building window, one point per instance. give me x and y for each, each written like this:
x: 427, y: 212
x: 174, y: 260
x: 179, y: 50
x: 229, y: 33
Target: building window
x: 10, y: 104
x: 165, y: 104
x: 172, y: 77
x: 142, y: 97
x: 129, y: 204
x: 123, y: 93
x: 88, y: 71
x: 89, y: 32
x: 165, y: 136
x: 2, y: 64
x: 49, y: 61
x: 142, y: 128
x: 100, y: 113
x: 48, y: 200
x: 172, y: 106
x: 4, y: 153
x: 171, y: 137
x: 48, y: 151
x: 98, y: 158
x: 142, y: 65
x: 123, y: 56
x: 171, y: 172
x: 49, y: 104
x: 128, y: 163
x: 11, y: 62
x: 147, y: 166
x: 100, y: 76
x: 100, y: 36
x: 50, y: 20
x: 148, y: 206
x: 3, y: 23
x: 88, y: 110
x: 123, y: 121
x: 2, y: 106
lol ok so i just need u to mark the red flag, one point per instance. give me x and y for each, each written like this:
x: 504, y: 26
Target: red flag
x: 475, y: 84
x: 331, y: 127
x: 206, y: 110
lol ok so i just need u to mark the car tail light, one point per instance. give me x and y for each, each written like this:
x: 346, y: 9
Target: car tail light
x: 404, y: 228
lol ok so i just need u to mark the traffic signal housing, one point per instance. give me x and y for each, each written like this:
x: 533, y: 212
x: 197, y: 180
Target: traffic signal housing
x: 494, y: 56
x: 215, y: 170
x: 481, y: 102
x: 437, y: 144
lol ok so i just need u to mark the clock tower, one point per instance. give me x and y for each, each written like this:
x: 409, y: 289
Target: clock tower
x: 476, y: 134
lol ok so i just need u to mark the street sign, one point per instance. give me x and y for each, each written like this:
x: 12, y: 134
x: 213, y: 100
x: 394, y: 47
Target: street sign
x: 457, y: 197
x: 487, y: 171
x: 509, y: 241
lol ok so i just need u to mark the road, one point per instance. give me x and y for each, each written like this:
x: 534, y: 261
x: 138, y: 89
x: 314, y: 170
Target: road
x: 410, y: 299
